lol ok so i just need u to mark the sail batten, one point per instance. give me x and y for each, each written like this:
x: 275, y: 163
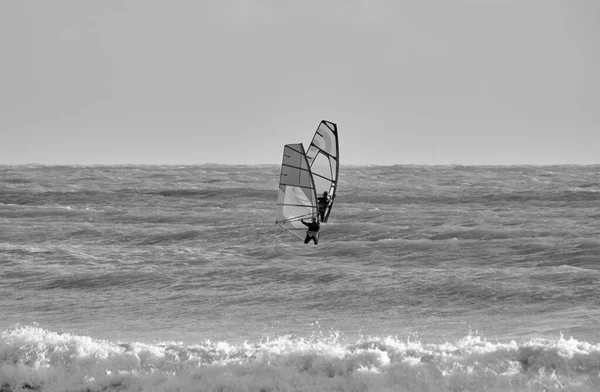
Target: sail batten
x: 317, y: 175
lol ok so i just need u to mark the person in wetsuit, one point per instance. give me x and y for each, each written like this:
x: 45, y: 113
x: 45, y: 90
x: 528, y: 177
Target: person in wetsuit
x: 323, y: 202
x: 312, y: 233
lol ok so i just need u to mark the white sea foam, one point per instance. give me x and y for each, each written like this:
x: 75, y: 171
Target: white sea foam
x: 35, y: 358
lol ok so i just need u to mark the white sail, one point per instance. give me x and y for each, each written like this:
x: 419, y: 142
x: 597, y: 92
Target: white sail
x: 297, y: 198
x: 324, y: 158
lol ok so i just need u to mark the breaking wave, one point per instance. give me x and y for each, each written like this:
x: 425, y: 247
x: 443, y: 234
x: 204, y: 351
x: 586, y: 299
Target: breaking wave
x: 33, y: 358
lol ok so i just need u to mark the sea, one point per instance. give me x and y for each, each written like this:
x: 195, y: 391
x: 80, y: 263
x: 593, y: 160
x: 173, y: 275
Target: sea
x: 176, y: 278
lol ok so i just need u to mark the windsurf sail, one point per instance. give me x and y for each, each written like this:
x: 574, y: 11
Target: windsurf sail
x: 297, y: 198
x: 323, y: 155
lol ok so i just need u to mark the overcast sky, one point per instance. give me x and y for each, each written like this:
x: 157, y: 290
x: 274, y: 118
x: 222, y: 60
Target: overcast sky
x: 232, y: 81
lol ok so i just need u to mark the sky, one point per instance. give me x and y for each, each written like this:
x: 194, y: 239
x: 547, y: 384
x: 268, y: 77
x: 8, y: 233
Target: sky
x: 231, y: 81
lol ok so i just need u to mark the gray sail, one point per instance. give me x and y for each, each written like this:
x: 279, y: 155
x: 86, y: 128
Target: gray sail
x: 297, y: 198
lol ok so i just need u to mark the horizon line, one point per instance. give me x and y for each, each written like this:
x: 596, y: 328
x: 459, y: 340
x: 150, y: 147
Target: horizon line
x: 278, y: 164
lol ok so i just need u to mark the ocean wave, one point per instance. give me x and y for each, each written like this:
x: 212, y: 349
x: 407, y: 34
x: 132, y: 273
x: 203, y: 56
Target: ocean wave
x: 170, y: 237
x: 33, y: 358
x: 218, y: 194
x: 97, y: 281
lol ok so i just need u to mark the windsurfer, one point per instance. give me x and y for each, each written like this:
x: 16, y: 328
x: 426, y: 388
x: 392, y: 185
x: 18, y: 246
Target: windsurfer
x: 313, y: 230
x: 323, y: 204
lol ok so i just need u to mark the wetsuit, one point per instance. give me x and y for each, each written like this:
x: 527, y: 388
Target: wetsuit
x: 323, y: 204
x: 313, y: 231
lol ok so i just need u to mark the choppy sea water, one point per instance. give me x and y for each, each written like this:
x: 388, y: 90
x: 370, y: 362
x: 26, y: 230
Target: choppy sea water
x: 426, y: 278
